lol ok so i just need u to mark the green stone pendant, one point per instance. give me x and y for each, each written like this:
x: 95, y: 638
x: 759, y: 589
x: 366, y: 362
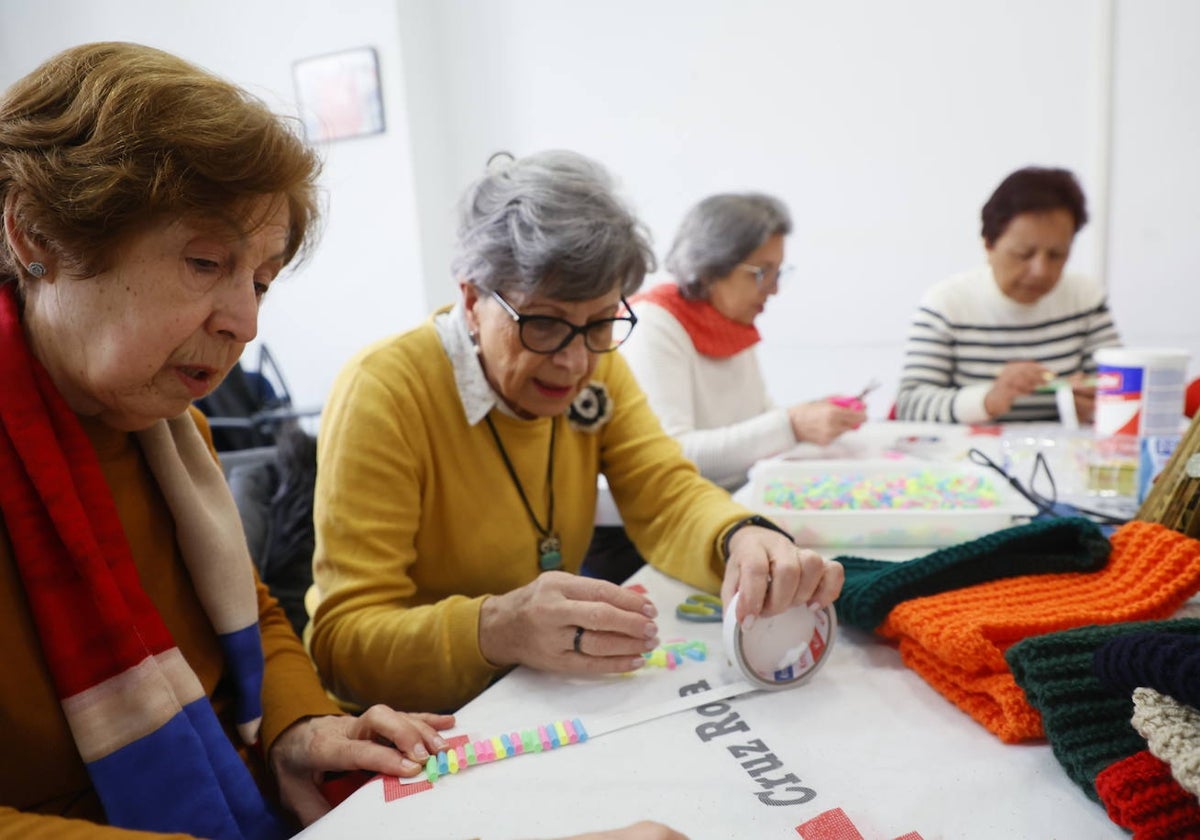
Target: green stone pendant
x: 549, y: 553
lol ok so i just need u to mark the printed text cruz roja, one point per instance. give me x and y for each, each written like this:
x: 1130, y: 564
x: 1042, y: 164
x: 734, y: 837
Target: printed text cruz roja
x: 762, y: 765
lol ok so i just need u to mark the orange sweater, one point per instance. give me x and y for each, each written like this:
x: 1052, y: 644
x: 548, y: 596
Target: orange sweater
x: 41, y: 773
x: 956, y: 640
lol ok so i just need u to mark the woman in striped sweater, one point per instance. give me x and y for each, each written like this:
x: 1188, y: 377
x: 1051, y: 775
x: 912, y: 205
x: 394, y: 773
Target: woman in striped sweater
x: 983, y: 343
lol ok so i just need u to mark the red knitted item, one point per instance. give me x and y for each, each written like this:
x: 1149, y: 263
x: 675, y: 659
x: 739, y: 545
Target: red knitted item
x: 711, y: 332
x: 956, y: 640
x: 1139, y: 794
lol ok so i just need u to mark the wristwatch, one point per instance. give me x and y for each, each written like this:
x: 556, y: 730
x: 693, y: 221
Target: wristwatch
x: 760, y: 521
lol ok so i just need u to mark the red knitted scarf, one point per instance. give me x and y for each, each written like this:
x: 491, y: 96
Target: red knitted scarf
x: 153, y: 747
x: 711, y: 332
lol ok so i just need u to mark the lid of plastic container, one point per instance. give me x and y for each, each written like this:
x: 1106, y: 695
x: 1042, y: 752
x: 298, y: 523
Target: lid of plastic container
x: 781, y: 651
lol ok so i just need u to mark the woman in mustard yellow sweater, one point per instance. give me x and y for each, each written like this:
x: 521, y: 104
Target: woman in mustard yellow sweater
x: 458, y: 462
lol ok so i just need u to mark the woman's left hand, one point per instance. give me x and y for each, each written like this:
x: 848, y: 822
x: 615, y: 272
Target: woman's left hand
x: 380, y: 740
x: 772, y: 574
x: 1083, y: 388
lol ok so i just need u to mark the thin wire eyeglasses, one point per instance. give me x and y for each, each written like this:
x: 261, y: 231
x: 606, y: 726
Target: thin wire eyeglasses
x: 1046, y: 505
x: 547, y: 335
x: 767, y: 278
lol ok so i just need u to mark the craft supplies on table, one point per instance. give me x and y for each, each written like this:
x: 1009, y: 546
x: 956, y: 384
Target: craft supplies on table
x: 465, y: 753
x: 781, y: 651
x: 700, y: 607
x: 883, y: 502
x: 730, y: 761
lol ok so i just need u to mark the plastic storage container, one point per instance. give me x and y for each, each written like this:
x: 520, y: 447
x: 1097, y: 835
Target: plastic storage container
x: 883, y: 503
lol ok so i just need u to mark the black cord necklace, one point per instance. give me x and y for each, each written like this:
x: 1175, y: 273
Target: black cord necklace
x: 549, y: 547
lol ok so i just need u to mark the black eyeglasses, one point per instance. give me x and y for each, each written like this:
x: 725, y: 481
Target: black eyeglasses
x: 547, y: 335
x: 767, y: 278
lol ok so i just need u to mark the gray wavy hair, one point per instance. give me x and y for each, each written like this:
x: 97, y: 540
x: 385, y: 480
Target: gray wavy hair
x: 550, y: 224
x: 719, y: 233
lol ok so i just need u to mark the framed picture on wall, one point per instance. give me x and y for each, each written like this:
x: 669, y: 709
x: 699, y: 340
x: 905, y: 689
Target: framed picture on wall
x: 339, y: 94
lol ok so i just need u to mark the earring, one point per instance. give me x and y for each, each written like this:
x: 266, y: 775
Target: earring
x: 37, y: 269
x: 474, y: 341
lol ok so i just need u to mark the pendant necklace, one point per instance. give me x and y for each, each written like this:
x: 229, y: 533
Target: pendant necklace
x: 549, y: 547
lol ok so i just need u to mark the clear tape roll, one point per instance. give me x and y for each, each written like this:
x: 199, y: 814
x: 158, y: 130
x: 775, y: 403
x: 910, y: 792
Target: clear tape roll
x: 782, y: 651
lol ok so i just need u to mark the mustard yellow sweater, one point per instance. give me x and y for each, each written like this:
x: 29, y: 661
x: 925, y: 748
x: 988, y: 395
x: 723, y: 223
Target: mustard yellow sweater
x: 418, y: 521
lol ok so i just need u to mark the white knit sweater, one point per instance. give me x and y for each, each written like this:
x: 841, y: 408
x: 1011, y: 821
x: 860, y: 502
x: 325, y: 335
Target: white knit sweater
x: 718, y: 409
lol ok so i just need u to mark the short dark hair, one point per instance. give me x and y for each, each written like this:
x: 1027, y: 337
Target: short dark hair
x: 1033, y: 189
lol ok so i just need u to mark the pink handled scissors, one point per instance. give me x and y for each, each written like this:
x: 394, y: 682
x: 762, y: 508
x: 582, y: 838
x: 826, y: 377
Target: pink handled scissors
x: 856, y: 403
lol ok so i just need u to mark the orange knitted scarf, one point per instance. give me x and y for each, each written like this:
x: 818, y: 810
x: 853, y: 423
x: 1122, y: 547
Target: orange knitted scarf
x: 956, y: 640
x: 711, y: 333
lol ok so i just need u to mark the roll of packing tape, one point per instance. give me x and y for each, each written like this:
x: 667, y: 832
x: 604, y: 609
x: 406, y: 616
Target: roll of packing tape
x: 782, y: 651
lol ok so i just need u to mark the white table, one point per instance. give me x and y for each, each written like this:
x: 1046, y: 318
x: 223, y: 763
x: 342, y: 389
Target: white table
x: 865, y: 735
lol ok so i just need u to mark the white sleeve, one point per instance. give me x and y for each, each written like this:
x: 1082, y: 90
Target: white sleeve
x: 670, y: 371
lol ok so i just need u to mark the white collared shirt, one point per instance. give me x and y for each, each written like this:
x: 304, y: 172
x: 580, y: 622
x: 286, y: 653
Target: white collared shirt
x: 477, y: 395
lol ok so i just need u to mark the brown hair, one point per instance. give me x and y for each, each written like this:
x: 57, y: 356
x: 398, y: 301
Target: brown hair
x: 1032, y: 190
x: 105, y: 138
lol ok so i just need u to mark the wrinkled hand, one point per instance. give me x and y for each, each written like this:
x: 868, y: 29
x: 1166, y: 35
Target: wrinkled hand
x: 823, y: 422
x: 380, y: 740
x: 1016, y: 379
x: 637, y: 831
x: 774, y: 575
x: 535, y: 625
x: 1084, y: 389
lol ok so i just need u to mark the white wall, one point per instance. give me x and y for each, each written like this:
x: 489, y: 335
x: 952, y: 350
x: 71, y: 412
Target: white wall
x: 883, y: 125
x: 366, y: 279
x: 1155, y: 234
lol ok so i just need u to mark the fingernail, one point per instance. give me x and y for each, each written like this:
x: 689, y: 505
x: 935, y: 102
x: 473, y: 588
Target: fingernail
x: 650, y: 611
x: 409, y: 765
x: 441, y: 745
x: 748, y: 621
x: 814, y: 605
x: 652, y: 644
x: 636, y: 663
x: 651, y: 630
x: 419, y: 752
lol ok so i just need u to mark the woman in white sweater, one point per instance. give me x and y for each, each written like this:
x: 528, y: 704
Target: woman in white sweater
x: 694, y: 354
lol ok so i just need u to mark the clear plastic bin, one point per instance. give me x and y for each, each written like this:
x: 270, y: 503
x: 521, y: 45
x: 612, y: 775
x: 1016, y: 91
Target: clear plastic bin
x: 886, y: 503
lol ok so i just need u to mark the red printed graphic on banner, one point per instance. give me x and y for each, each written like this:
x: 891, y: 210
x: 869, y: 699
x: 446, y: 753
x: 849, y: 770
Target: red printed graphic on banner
x: 831, y: 825
x: 394, y: 789
x: 835, y: 825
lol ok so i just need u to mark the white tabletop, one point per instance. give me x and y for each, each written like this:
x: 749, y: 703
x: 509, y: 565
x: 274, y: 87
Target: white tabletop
x: 865, y: 735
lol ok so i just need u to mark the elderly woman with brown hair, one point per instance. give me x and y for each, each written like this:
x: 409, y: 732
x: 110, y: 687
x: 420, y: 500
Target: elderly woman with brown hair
x: 458, y: 465
x: 151, y: 682
x: 987, y: 344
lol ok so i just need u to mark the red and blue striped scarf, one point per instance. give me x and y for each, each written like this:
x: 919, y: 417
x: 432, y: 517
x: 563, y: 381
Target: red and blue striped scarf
x: 148, y: 735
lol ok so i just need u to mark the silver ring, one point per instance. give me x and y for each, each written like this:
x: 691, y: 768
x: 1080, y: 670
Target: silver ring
x: 578, y: 639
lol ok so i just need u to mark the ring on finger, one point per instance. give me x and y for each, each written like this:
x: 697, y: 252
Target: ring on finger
x: 578, y: 639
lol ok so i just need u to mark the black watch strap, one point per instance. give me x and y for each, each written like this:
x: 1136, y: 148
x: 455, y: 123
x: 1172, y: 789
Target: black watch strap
x: 760, y: 521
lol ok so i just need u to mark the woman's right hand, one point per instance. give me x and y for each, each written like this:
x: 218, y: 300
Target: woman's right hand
x: 822, y: 422
x: 1016, y: 379
x: 637, y: 831
x: 536, y: 625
